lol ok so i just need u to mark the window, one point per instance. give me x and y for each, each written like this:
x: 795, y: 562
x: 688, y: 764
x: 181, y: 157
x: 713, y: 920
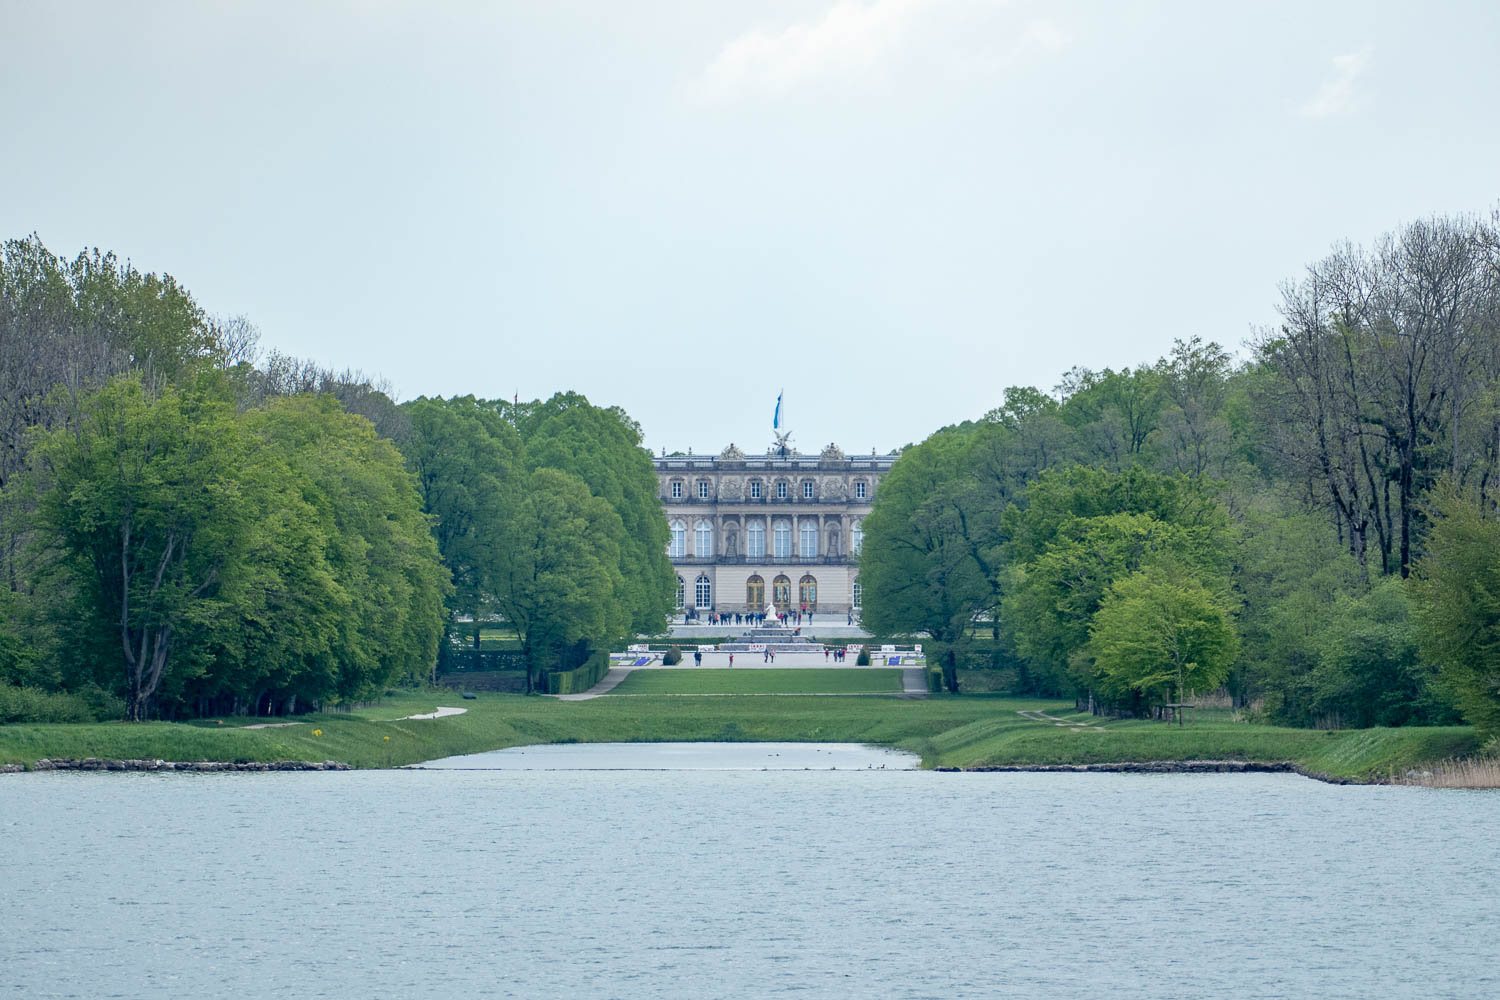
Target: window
x: 703, y: 540
x: 755, y: 489
x: 807, y: 592
x: 681, y: 591
x: 856, y: 537
x: 861, y: 490
x: 678, y: 548
x: 755, y: 593
x: 807, y: 545
x: 677, y: 489
x: 807, y: 489
x: 781, y: 540
x: 703, y: 592
x: 781, y: 591
x: 755, y: 540
x: 781, y: 491
x: 859, y: 593
x: 703, y: 489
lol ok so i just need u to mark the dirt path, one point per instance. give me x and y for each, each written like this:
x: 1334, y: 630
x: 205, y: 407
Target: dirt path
x: 1077, y: 727
x: 271, y: 725
x: 441, y: 713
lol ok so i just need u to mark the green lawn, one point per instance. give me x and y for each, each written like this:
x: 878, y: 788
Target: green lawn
x: 761, y: 681
x: 969, y: 731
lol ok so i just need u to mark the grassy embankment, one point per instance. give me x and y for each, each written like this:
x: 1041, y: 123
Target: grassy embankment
x: 972, y: 731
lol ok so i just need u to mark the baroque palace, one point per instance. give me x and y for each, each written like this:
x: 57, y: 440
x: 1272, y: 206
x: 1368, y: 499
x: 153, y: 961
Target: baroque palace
x: 782, y: 526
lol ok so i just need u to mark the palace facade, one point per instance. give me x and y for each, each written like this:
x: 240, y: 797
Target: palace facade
x: 783, y: 526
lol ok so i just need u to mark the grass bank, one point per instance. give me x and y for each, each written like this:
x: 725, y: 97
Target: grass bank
x: 947, y: 732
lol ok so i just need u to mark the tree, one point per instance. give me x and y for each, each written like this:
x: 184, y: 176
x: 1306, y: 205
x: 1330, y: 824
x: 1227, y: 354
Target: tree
x: 602, y: 447
x: 1458, y: 605
x: 558, y: 582
x: 145, y: 502
x: 469, y: 468
x: 1081, y: 531
x: 1159, y: 633
x: 377, y: 545
x: 927, y: 562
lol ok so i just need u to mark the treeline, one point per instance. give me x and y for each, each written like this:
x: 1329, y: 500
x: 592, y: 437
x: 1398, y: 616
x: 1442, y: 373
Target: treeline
x: 188, y: 528
x: 1197, y: 522
x: 548, y: 516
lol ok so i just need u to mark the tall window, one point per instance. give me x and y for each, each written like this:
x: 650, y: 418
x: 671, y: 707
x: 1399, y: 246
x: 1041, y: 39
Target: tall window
x: 807, y: 489
x: 861, y: 490
x: 703, y: 540
x: 677, y: 489
x: 781, y: 539
x: 703, y: 592
x: 755, y: 540
x: 681, y: 591
x: 703, y: 489
x: 755, y: 489
x: 755, y: 593
x: 781, y: 491
x: 678, y: 548
x: 807, y: 545
x: 859, y: 593
x: 781, y: 591
x: 807, y: 592
x: 856, y: 537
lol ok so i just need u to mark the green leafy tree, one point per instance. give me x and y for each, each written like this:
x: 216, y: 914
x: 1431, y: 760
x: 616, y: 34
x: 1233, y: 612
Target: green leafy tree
x: 558, y: 583
x: 469, y: 468
x: 1458, y: 605
x: 602, y: 447
x: 1160, y: 634
x: 388, y: 580
x: 146, y: 505
x: 927, y: 560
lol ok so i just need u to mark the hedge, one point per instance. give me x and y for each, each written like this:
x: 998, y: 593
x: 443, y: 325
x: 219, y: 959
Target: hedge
x: 579, y: 679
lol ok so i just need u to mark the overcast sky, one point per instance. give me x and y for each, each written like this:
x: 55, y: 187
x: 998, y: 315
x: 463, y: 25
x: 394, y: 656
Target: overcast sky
x: 891, y: 208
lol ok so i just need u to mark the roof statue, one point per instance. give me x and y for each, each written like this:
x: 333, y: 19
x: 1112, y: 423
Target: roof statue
x: 833, y: 453
x: 732, y: 453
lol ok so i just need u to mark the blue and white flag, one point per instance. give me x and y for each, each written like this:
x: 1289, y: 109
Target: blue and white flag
x: 776, y: 417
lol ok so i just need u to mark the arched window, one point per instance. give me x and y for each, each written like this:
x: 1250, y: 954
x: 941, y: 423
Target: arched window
x: 755, y: 593
x: 807, y: 592
x: 703, y: 540
x: 781, y: 539
x: 857, y: 537
x: 807, y: 545
x: 681, y: 591
x: 678, y: 547
x: 859, y: 593
x: 781, y: 591
x: 755, y: 540
x: 702, y: 592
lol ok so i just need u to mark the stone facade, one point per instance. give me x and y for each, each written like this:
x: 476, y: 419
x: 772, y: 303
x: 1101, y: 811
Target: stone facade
x: 780, y: 525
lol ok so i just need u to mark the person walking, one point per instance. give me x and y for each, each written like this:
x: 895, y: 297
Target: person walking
x: 697, y: 658
x: 731, y: 659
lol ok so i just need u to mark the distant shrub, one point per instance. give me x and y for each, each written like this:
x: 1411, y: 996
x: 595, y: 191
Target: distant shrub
x: 672, y: 656
x: 29, y: 704
x: 863, y: 659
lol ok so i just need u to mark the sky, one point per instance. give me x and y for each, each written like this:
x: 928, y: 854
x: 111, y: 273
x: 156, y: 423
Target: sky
x: 889, y: 209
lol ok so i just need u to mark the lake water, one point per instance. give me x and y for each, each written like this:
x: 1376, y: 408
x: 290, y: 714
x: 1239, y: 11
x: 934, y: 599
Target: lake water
x: 716, y: 882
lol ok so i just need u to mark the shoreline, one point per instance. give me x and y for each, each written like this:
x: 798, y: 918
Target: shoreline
x: 98, y: 764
